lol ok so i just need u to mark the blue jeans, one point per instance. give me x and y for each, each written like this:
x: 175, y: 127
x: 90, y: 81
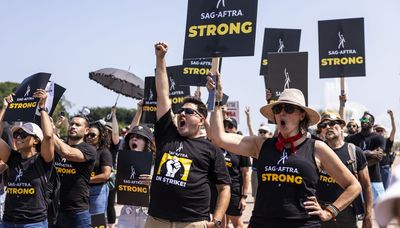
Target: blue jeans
x: 27, y: 225
x: 74, y: 219
x: 377, y: 190
x: 385, y: 174
x: 98, y: 199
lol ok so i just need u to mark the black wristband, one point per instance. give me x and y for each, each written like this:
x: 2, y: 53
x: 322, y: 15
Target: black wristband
x: 218, y: 103
x: 42, y: 109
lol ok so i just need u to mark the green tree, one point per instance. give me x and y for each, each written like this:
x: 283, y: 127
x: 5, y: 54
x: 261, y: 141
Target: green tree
x: 6, y: 88
x: 124, y: 115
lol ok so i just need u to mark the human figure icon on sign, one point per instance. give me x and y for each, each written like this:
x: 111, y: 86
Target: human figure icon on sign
x: 287, y: 80
x: 133, y: 173
x: 221, y: 2
x: 28, y: 90
x: 172, y: 82
x: 281, y: 45
x: 341, y: 40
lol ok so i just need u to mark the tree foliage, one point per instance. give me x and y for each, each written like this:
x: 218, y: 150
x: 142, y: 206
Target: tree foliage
x: 124, y: 115
x: 6, y: 88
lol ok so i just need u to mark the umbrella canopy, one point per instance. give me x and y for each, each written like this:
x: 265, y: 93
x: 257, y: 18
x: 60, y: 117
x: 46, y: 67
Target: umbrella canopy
x: 119, y: 81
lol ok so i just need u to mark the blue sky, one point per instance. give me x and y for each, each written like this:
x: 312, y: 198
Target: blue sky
x: 71, y: 38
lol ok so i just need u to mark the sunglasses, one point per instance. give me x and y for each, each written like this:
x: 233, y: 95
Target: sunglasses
x: 262, y: 132
x: 91, y: 135
x: 188, y: 111
x: 364, y: 120
x: 21, y: 134
x: 228, y: 125
x: 350, y: 126
x: 330, y: 123
x: 289, y: 108
x: 379, y: 130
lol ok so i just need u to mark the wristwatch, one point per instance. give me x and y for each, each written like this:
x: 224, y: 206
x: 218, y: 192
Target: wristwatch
x: 43, y: 109
x: 217, y: 223
x: 218, y: 103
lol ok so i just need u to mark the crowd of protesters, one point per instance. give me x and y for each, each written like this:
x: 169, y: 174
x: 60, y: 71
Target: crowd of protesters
x: 203, y: 169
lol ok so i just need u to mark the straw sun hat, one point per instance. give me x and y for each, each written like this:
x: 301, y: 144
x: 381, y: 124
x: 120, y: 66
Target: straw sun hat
x: 295, y: 97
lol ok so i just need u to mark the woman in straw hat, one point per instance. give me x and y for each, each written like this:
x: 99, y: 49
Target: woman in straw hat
x: 288, y: 165
x: 28, y: 167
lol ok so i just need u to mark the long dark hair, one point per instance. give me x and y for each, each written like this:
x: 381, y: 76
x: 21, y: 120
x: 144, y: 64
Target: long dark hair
x: 104, y: 139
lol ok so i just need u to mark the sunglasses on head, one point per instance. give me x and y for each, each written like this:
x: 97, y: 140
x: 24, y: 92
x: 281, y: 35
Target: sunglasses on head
x: 330, y: 123
x: 21, y: 134
x: 262, y: 131
x: 91, y: 135
x: 188, y: 111
x: 228, y: 125
x: 289, y: 108
x: 364, y: 120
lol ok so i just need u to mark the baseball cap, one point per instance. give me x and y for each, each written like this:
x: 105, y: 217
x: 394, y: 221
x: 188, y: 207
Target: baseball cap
x: 140, y: 130
x: 30, y: 128
x: 231, y: 121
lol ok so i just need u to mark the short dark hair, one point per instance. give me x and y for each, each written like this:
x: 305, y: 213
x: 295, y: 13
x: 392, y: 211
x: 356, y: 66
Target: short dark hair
x: 83, y: 117
x: 201, y: 107
x: 372, y: 116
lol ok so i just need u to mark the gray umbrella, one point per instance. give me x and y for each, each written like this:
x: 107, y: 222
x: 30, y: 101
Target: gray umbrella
x: 119, y: 81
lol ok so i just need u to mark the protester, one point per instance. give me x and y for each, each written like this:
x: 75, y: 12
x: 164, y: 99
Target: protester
x: 239, y: 171
x: 6, y: 135
x: 29, y: 168
x: 372, y: 144
x: 288, y: 164
x: 352, y: 127
x: 98, y: 137
x: 139, y: 138
x: 386, y: 162
x: 186, y: 163
x: 74, y: 162
x: 388, y: 205
x: 328, y: 190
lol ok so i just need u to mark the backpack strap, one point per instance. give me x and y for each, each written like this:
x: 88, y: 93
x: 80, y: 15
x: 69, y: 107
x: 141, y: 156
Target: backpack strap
x: 353, y: 159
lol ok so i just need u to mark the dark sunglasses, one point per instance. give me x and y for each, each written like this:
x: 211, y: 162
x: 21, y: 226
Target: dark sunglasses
x: 21, y: 134
x: 364, y: 120
x: 188, y: 111
x: 289, y: 108
x: 91, y: 135
x: 379, y: 130
x: 137, y: 136
x: 350, y: 126
x: 228, y: 125
x: 330, y: 123
x: 262, y: 132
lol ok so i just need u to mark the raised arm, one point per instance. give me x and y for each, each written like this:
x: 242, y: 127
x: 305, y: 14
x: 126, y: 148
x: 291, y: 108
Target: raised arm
x: 248, y: 121
x: 342, y: 102
x: 5, y: 149
x: 136, y: 119
x: 114, y: 125
x: 47, y: 145
x: 162, y: 84
x: 238, y: 144
x: 393, y: 131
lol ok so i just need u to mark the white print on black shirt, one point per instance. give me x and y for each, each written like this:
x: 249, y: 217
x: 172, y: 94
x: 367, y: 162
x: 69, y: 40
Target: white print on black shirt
x: 283, y: 157
x: 20, y: 172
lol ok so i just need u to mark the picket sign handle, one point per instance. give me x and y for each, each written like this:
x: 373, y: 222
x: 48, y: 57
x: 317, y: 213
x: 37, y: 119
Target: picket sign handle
x: 215, y: 65
x: 342, y: 90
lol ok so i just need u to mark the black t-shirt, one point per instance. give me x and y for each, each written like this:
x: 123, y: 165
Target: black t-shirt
x: 74, y: 177
x: 183, y: 172
x: 233, y: 163
x: 114, y: 152
x: 285, y: 180
x: 370, y: 141
x: 386, y: 158
x: 103, y: 158
x: 328, y: 190
x: 25, y: 202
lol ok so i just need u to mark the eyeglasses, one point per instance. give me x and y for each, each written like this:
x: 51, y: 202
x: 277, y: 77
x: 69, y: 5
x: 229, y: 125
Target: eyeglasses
x: 21, y: 134
x: 137, y: 136
x: 188, y: 111
x: 330, y: 123
x: 289, y: 108
x: 379, y: 130
x: 262, y: 132
x: 351, y: 126
x: 228, y: 125
x: 91, y: 135
x: 364, y: 120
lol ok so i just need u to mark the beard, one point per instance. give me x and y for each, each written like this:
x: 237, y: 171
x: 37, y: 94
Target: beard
x: 75, y: 137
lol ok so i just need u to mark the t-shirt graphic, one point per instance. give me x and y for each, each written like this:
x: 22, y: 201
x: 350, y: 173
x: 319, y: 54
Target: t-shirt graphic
x: 174, y: 167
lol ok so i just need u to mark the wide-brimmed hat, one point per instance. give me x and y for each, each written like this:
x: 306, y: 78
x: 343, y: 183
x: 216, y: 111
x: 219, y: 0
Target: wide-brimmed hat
x: 140, y: 130
x: 332, y: 116
x: 378, y: 126
x: 30, y: 128
x: 384, y: 208
x: 291, y: 96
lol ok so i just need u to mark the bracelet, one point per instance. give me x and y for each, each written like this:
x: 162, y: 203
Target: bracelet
x: 218, y: 103
x: 244, y: 196
x: 42, y: 109
x: 333, y: 210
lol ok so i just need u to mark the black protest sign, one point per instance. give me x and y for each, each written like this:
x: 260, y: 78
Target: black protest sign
x: 220, y: 28
x: 130, y: 189
x: 99, y: 221
x: 341, y: 48
x: 278, y: 40
x: 24, y: 105
x: 54, y: 94
x: 195, y: 71
x: 287, y: 70
x: 176, y: 92
x: 150, y: 101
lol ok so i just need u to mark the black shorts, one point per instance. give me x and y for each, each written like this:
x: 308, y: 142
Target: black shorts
x: 236, y: 196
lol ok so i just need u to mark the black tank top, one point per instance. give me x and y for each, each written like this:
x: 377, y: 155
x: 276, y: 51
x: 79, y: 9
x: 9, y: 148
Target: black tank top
x: 285, y: 180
